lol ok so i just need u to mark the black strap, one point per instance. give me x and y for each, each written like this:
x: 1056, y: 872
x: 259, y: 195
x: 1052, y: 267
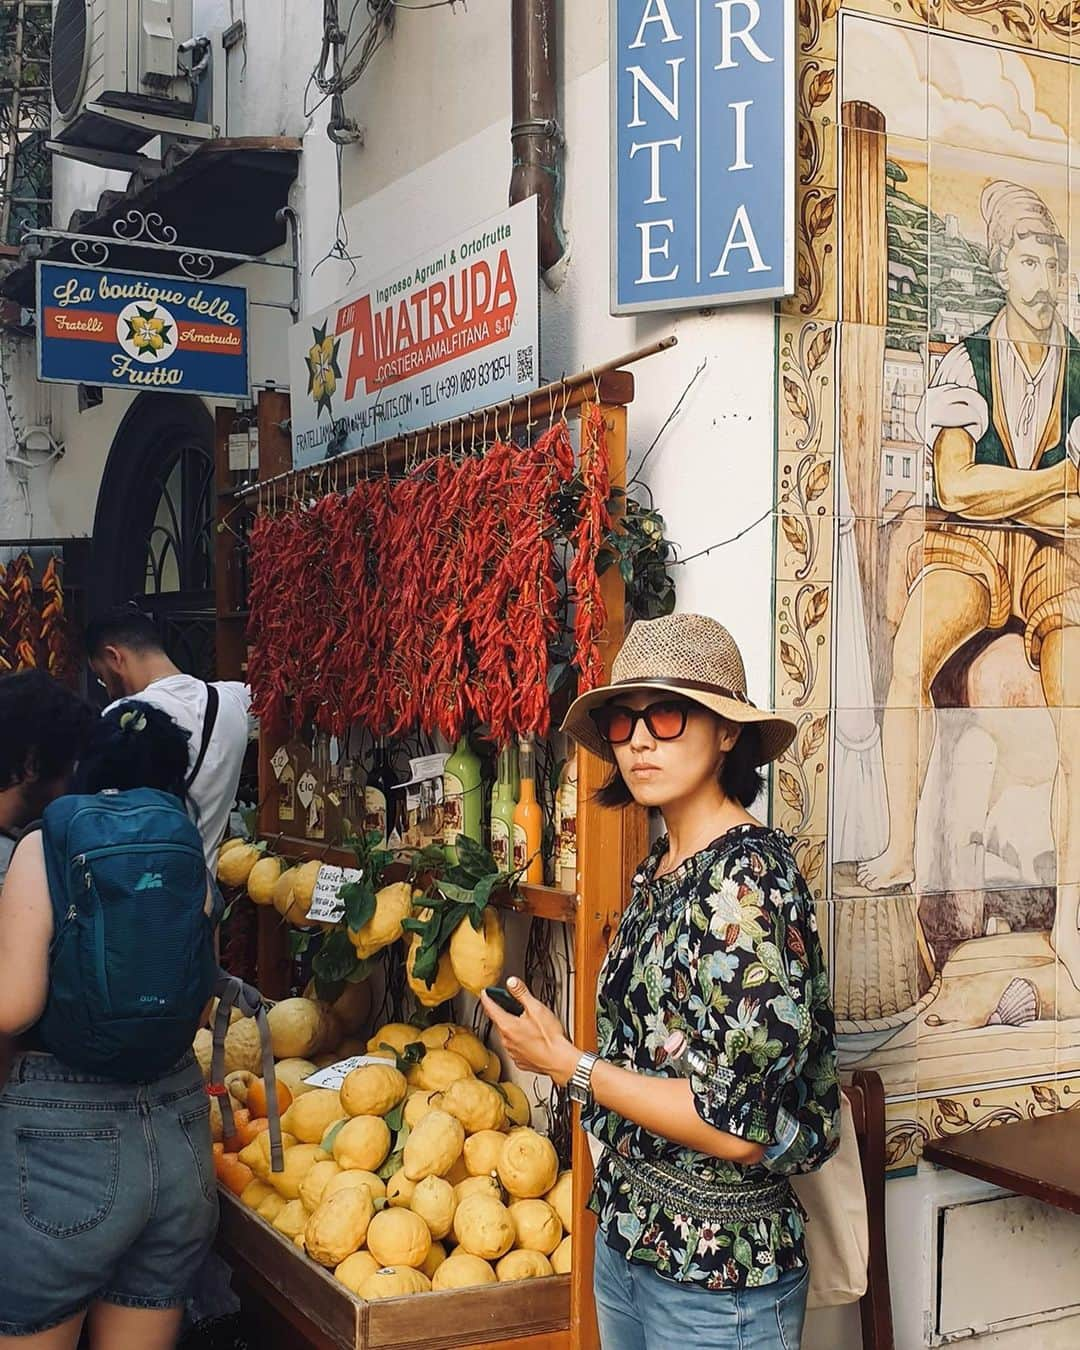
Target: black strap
x: 212, y: 701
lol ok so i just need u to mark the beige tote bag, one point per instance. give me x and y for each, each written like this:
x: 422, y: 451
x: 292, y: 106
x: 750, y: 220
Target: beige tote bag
x: 837, y: 1228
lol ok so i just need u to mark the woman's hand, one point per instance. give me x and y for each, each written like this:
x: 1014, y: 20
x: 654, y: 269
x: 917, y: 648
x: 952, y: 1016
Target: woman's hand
x: 535, y: 1040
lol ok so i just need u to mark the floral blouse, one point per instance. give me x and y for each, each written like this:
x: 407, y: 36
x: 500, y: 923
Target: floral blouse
x: 725, y: 949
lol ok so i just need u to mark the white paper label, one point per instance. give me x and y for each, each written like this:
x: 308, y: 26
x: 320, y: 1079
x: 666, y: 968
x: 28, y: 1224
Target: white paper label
x: 423, y: 767
x: 253, y: 448
x: 335, y: 1074
x: 326, y: 904
x: 305, y: 789
x: 239, y: 451
x: 278, y: 760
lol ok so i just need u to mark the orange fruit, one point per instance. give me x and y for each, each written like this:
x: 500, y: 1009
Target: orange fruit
x: 257, y: 1101
x: 235, y: 1141
x: 234, y: 1175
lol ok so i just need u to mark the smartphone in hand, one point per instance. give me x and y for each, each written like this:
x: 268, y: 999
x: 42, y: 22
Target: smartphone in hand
x: 504, y: 999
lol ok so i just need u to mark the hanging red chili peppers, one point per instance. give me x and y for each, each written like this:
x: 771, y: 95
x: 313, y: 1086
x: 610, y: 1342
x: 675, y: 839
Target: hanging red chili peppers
x: 33, y: 636
x: 420, y: 601
x: 590, y: 617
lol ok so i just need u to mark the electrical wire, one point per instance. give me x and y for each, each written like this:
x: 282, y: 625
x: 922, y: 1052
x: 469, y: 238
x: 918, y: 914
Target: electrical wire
x: 343, y: 59
x: 723, y: 543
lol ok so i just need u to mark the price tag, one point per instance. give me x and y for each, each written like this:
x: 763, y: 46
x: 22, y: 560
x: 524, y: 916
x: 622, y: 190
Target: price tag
x: 335, y: 1074
x: 326, y: 904
x: 278, y: 760
x: 253, y: 447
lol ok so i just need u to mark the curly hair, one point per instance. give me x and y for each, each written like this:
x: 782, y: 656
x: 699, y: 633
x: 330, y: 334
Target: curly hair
x: 43, y: 728
x: 135, y: 745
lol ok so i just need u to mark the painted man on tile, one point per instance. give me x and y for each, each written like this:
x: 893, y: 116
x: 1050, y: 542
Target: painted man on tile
x: 999, y: 424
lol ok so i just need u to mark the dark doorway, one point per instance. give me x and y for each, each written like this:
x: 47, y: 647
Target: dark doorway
x: 154, y: 526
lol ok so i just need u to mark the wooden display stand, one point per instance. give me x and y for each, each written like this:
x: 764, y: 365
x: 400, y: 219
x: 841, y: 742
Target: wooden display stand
x: 553, y: 1314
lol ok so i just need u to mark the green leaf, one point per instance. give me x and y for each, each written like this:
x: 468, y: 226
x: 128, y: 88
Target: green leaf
x: 396, y: 1118
x: 393, y: 1163
x: 335, y: 959
x: 431, y: 858
x: 482, y: 892
x: 626, y: 570
x: 473, y: 857
x: 360, y: 903
x: 332, y: 1133
x: 361, y: 971
x: 298, y: 943
x: 458, y: 893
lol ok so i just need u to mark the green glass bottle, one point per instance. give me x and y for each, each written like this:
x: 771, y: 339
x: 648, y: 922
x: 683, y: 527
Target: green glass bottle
x: 462, y: 799
x: 503, y: 805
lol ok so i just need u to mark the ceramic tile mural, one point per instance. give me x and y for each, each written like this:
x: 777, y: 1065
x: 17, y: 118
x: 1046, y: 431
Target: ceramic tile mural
x: 927, y: 555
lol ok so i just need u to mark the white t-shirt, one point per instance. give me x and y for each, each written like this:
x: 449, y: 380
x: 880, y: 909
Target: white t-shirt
x: 184, y: 698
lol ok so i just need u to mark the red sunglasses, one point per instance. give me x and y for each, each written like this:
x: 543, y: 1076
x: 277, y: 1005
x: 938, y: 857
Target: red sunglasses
x: 665, y: 719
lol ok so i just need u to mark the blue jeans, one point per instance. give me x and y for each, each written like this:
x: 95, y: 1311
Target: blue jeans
x: 107, y: 1191
x: 640, y: 1310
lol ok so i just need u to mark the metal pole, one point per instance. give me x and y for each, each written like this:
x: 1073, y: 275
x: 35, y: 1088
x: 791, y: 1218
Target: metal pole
x: 564, y: 386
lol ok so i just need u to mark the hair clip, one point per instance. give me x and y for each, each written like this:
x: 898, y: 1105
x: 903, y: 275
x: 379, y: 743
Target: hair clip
x: 133, y: 720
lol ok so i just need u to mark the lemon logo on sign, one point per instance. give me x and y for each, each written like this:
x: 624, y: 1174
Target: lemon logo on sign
x: 323, y: 369
x: 147, y: 333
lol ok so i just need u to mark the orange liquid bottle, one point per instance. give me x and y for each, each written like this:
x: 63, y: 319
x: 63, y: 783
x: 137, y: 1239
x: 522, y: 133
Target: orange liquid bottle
x: 528, y: 819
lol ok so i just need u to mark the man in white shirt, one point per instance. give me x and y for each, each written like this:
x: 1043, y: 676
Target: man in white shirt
x: 1000, y: 422
x: 126, y: 655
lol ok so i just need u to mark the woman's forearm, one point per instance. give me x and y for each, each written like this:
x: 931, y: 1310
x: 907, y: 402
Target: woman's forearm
x: 665, y: 1106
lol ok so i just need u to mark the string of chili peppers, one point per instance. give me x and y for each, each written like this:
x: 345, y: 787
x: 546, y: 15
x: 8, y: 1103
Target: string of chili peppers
x: 420, y: 601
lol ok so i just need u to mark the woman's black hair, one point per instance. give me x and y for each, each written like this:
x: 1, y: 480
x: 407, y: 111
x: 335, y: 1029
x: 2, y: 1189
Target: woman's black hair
x: 44, y: 728
x: 739, y: 775
x: 135, y: 745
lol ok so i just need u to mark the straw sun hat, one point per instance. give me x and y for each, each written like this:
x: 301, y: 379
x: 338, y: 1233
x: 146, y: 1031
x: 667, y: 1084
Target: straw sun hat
x: 685, y: 654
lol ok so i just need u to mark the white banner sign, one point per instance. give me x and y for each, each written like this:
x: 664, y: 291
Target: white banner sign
x: 451, y: 331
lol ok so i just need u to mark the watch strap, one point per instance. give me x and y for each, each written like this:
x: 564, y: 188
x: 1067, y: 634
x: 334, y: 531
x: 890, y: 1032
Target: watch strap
x: 581, y: 1080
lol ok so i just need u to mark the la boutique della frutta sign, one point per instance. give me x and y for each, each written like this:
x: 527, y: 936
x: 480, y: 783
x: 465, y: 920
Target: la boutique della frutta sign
x: 132, y: 330
x: 703, y: 152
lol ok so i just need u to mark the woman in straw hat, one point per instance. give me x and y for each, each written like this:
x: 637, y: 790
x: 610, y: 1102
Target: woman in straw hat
x: 716, y: 1074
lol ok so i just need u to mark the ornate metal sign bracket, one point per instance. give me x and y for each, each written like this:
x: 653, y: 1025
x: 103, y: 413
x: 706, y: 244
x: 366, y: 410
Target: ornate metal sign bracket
x: 149, y: 230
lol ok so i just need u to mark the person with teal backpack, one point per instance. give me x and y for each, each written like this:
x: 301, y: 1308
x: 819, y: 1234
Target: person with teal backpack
x: 108, y: 1203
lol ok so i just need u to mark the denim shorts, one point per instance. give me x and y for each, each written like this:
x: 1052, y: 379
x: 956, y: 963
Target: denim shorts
x: 107, y: 1191
x: 640, y: 1310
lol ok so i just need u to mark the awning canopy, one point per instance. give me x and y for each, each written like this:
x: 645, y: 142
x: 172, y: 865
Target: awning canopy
x: 225, y: 197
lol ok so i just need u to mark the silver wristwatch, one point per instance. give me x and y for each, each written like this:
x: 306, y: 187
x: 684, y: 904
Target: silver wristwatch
x: 580, y: 1084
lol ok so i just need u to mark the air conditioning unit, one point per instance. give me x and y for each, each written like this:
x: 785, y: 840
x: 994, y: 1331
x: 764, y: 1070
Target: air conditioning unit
x: 116, y: 77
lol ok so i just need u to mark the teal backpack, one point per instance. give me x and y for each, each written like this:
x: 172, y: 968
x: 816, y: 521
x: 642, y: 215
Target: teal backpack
x: 132, y: 963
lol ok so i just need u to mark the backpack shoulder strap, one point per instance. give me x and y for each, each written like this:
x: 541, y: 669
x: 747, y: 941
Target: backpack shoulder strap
x: 209, y: 720
x: 233, y: 993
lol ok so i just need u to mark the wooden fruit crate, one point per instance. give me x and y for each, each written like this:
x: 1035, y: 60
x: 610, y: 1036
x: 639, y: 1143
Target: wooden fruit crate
x: 528, y: 1315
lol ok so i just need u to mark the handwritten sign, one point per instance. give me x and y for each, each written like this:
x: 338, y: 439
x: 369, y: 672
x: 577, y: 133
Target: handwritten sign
x: 703, y: 167
x: 326, y: 903
x: 130, y: 330
x: 335, y: 1074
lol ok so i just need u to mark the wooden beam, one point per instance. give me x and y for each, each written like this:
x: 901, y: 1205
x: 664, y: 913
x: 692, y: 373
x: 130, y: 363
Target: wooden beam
x: 272, y: 961
x: 610, y: 843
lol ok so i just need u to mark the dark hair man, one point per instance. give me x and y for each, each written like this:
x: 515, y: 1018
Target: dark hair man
x: 43, y: 729
x: 126, y: 655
